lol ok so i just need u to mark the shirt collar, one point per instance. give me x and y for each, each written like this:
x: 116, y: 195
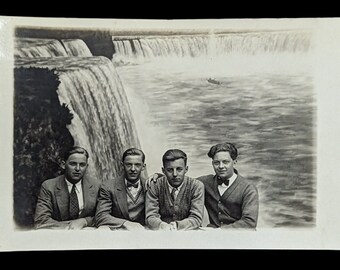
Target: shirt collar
x: 135, y: 182
x: 231, y: 180
x: 78, y: 185
x: 171, y: 187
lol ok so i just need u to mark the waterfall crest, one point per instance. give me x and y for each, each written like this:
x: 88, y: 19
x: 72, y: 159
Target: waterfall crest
x: 40, y: 47
x: 76, y: 47
x: 215, y: 45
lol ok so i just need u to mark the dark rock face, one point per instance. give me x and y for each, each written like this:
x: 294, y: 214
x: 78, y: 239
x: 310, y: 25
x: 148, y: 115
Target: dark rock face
x: 40, y: 137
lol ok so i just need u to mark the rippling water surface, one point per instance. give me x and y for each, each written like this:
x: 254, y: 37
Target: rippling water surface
x: 265, y: 105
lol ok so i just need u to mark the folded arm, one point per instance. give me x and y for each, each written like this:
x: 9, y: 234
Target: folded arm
x: 152, y: 216
x: 44, y: 211
x: 250, y: 209
x: 104, y: 208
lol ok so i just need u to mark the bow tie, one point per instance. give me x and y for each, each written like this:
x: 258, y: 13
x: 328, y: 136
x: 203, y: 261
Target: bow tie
x: 221, y: 181
x: 129, y: 184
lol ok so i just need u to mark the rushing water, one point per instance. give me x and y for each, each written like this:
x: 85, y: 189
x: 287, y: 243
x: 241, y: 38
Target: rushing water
x: 265, y: 104
x: 102, y: 120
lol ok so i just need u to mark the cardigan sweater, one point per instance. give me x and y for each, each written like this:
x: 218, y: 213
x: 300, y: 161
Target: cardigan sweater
x: 237, y: 207
x: 186, y: 210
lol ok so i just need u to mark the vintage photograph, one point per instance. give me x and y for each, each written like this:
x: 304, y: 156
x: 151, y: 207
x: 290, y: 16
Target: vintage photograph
x: 150, y: 127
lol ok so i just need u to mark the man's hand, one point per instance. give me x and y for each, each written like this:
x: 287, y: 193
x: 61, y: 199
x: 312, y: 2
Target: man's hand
x: 173, y: 226
x: 77, y: 224
x: 152, y: 179
x: 133, y: 226
x: 165, y: 226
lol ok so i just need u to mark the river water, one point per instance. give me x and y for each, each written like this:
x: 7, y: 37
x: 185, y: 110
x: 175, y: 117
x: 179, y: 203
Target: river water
x: 265, y: 104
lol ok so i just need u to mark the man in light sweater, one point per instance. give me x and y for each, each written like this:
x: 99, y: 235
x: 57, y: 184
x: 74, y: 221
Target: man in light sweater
x: 175, y: 201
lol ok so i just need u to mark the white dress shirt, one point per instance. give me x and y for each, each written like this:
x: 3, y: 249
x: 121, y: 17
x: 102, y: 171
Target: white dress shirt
x: 133, y: 191
x: 177, y: 191
x: 79, y: 191
x: 222, y: 188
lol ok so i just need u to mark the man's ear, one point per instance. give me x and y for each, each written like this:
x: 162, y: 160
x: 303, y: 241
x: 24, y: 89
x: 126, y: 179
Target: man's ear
x: 186, y: 169
x: 163, y: 170
x: 235, y: 162
x: 62, y: 164
x: 144, y: 166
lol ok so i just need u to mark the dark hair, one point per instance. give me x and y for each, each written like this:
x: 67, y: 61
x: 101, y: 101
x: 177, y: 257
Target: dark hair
x: 75, y: 150
x: 226, y: 147
x: 133, y: 152
x: 174, y: 154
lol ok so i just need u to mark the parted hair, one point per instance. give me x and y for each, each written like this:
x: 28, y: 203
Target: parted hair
x: 75, y: 150
x: 133, y: 152
x: 174, y: 154
x: 226, y: 147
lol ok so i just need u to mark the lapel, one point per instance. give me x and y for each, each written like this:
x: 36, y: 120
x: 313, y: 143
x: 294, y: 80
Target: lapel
x: 62, y: 197
x: 121, y: 196
x: 87, y: 195
x: 214, y: 187
x: 142, y: 181
x: 231, y: 189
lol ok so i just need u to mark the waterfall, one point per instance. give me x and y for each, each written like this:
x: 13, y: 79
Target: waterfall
x: 76, y: 47
x: 212, y: 44
x: 94, y: 94
x: 37, y: 47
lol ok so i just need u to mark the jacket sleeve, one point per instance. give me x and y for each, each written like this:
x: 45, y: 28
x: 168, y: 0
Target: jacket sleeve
x: 104, y: 207
x: 152, y: 216
x: 43, y: 212
x: 250, y: 209
x: 194, y: 220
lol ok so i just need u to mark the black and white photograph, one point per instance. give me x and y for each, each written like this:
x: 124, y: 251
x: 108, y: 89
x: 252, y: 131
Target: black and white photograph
x: 124, y: 134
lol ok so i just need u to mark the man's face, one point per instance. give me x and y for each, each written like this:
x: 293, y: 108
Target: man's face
x: 175, y: 171
x: 223, y: 164
x: 133, y: 167
x: 75, y: 167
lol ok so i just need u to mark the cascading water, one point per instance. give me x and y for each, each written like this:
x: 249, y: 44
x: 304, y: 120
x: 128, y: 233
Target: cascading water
x: 34, y: 47
x: 38, y: 47
x: 69, y: 97
x: 102, y: 122
x: 76, y: 47
x: 210, y: 45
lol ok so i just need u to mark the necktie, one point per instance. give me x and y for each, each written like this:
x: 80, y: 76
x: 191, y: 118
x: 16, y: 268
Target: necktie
x: 129, y: 184
x: 74, y: 204
x: 173, y: 193
x: 220, y: 181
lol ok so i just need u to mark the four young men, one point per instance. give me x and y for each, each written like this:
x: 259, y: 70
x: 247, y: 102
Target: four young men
x: 129, y: 202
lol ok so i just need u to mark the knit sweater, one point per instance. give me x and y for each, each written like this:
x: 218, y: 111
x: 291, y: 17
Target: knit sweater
x: 187, y: 209
x: 238, y: 206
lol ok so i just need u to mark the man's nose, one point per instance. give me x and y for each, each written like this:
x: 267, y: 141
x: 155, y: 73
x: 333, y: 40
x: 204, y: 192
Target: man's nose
x: 175, y: 173
x: 221, y: 165
x: 133, y: 168
x: 77, y: 167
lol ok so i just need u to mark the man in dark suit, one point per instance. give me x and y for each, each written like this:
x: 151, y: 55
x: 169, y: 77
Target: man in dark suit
x: 68, y: 201
x: 121, y: 201
x: 231, y: 201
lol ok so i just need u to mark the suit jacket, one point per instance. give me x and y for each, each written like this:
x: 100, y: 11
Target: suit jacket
x: 237, y: 207
x: 187, y: 209
x: 112, y: 206
x: 52, y: 206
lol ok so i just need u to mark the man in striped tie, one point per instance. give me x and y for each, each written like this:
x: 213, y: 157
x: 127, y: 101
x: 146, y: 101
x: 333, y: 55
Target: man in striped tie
x: 175, y: 201
x: 68, y: 201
